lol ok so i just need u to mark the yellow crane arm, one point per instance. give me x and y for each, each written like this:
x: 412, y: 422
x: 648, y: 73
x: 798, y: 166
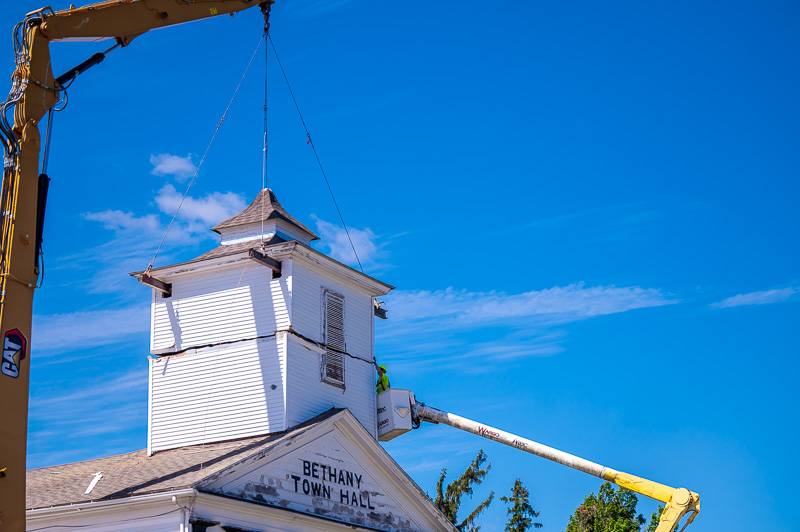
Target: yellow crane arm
x: 678, y: 502
x: 33, y: 94
x: 123, y: 19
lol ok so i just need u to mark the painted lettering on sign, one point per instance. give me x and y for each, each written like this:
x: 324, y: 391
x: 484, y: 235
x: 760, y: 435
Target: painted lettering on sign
x: 14, y: 347
x: 320, y: 480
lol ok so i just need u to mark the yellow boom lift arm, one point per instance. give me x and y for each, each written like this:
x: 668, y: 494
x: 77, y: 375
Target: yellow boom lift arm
x: 34, y: 93
x: 399, y: 412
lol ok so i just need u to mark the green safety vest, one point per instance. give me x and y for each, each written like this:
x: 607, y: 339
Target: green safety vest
x: 383, y: 384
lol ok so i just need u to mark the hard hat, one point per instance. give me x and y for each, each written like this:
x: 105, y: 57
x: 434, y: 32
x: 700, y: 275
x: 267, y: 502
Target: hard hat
x: 381, y: 366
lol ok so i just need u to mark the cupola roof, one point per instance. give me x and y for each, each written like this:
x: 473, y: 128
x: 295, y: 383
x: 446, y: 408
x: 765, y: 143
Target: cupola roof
x: 265, y: 207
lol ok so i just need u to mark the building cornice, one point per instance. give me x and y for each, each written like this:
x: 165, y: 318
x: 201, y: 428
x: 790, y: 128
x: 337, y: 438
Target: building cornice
x: 310, y: 256
x: 284, y: 250
x: 159, y: 497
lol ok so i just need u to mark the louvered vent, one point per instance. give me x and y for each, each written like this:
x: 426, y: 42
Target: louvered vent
x: 333, y: 359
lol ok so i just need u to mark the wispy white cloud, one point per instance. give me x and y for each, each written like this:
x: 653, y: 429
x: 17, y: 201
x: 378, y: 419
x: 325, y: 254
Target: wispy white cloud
x: 86, y: 329
x: 433, y: 448
x: 337, y: 245
x: 108, y: 264
x: 760, y: 297
x: 551, y: 305
x: 136, y: 236
x: 430, y: 329
x: 207, y: 210
x: 167, y: 164
x: 129, y: 249
x: 125, y: 221
x: 98, y: 413
x: 132, y: 380
x: 196, y: 216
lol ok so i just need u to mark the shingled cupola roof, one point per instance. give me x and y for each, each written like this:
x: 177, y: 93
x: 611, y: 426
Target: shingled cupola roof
x: 265, y: 205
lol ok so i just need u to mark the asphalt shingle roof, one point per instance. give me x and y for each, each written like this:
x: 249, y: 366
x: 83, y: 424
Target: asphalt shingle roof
x: 267, y: 203
x: 135, y: 473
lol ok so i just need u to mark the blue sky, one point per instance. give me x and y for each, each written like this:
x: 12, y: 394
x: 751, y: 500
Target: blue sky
x: 590, y: 214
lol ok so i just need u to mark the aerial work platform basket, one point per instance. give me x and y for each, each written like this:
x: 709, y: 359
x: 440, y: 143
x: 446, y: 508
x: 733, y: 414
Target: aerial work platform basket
x: 394, y: 413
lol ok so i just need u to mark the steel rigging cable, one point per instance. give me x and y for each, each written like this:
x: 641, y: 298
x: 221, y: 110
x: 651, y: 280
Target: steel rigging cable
x: 310, y: 142
x: 265, y: 145
x: 207, y: 150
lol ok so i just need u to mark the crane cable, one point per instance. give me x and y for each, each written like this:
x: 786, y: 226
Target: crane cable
x: 206, y: 152
x: 310, y: 142
x: 265, y: 144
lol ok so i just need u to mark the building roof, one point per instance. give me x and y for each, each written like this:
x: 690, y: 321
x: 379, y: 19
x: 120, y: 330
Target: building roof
x: 135, y: 473
x: 266, y: 204
x: 276, y: 248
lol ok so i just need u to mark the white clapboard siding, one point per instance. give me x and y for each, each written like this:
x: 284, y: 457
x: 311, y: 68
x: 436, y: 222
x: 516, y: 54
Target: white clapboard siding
x: 239, y: 302
x: 255, y: 232
x: 307, y: 315
x: 217, y: 393
x: 307, y: 395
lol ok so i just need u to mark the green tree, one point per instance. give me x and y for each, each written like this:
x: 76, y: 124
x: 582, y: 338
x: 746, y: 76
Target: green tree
x: 521, y: 514
x: 611, y: 510
x: 448, y: 499
x: 655, y: 517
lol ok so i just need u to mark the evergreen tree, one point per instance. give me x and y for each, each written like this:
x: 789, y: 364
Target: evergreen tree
x: 521, y: 514
x: 611, y: 510
x: 448, y: 499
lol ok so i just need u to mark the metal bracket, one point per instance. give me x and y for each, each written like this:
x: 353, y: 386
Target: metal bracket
x: 164, y: 288
x: 379, y: 310
x: 267, y: 261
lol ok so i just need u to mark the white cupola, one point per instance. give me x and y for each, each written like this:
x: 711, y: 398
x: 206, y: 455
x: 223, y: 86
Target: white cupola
x: 264, y: 216
x: 258, y: 334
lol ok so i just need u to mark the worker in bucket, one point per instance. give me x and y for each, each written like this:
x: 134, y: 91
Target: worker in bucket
x: 383, y: 380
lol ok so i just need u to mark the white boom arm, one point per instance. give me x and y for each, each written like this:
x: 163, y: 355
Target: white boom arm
x: 394, y: 407
x: 678, y: 501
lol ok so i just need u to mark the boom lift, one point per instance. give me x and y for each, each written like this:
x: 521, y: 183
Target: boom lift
x: 399, y: 412
x: 34, y: 93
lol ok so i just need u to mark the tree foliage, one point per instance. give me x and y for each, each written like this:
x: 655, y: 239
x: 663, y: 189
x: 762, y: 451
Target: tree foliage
x: 521, y: 514
x: 448, y: 499
x: 655, y: 517
x: 611, y: 510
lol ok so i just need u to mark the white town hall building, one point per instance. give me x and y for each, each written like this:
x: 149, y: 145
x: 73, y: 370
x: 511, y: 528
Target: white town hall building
x: 262, y: 405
